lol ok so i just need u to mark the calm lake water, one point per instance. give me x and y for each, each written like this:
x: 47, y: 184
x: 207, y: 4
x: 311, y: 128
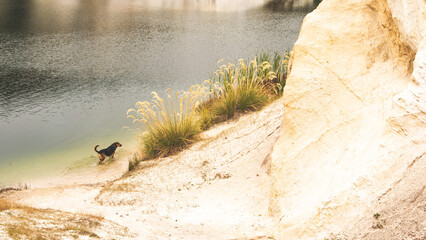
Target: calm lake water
x: 69, y: 70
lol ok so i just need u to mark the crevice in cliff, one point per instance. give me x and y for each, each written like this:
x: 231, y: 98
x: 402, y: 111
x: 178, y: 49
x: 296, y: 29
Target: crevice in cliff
x: 402, y: 177
x: 327, y: 69
x: 254, y: 146
x: 403, y: 53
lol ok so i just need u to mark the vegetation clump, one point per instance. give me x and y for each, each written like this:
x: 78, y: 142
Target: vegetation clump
x: 24, y: 222
x: 134, y: 162
x: 172, y: 123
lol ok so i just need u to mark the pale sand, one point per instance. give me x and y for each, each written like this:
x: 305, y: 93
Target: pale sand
x: 219, y: 187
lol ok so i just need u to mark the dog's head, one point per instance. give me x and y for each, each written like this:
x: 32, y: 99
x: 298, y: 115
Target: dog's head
x: 117, y: 144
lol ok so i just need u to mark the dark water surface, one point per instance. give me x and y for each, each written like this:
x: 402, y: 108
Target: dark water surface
x: 69, y: 70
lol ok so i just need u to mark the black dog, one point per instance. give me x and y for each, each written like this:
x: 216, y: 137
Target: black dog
x: 107, y: 152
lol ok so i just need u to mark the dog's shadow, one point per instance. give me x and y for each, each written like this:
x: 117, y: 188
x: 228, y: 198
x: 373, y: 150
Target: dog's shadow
x: 108, y: 160
x: 88, y: 163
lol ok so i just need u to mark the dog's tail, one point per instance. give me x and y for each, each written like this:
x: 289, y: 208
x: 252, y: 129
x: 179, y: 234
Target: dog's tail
x: 96, y: 147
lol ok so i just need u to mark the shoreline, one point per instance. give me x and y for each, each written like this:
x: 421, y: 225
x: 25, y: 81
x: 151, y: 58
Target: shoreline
x: 224, y: 176
x: 107, y: 171
x: 94, y: 173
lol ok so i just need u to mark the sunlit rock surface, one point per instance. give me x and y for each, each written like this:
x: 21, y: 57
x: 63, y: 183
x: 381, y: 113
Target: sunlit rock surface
x: 354, y: 119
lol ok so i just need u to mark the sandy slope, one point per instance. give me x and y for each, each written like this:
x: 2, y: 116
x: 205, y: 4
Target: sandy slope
x: 218, y: 187
x: 349, y: 162
x: 400, y: 213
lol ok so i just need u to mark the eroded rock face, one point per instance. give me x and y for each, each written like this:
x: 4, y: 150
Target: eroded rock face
x: 354, y: 116
x: 409, y: 16
x: 409, y: 20
x: 292, y: 5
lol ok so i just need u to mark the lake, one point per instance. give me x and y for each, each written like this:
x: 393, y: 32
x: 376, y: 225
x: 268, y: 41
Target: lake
x: 69, y: 71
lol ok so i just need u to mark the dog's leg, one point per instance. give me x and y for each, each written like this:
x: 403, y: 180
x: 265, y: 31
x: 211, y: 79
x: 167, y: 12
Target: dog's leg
x: 112, y: 155
x: 101, y: 157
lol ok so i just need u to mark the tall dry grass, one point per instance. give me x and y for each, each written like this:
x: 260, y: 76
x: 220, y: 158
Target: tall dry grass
x: 5, y: 205
x: 243, y: 87
x: 172, y: 123
x: 169, y: 123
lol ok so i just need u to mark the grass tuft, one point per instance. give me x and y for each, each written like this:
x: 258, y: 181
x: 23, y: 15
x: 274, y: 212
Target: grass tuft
x: 251, y: 96
x: 80, y: 230
x: 170, y: 124
x: 24, y: 222
x: 18, y: 231
x: 206, y: 117
x: 134, y: 162
x: 5, y: 205
x: 226, y: 104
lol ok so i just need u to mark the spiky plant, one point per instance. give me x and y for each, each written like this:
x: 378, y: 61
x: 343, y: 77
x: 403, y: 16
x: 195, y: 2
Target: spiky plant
x: 243, y: 87
x: 281, y: 71
x: 226, y: 104
x: 169, y: 124
x: 251, y: 96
